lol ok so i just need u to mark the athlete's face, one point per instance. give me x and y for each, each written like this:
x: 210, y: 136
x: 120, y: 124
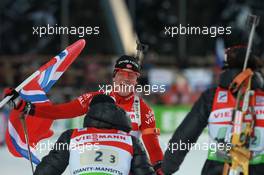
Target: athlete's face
x: 125, y: 81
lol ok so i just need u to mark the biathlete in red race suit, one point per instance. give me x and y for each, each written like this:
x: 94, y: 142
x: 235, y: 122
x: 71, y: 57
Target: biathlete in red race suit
x: 126, y: 73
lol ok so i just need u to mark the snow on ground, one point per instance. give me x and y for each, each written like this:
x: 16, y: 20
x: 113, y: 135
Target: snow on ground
x: 192, y: 164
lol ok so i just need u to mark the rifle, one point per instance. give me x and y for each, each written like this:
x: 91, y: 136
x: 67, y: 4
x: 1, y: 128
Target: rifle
x: 242, y: 131
x: 141, y: 50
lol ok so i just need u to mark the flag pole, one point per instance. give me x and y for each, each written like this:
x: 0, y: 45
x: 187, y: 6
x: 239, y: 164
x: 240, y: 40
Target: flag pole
x: 24, y: 125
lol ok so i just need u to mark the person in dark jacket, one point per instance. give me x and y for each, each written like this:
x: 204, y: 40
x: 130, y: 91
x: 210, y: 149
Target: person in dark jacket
x: 214, y: 108
x: 103, y: 145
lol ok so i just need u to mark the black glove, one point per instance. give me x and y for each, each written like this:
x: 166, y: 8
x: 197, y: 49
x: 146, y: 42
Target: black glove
x: 25, y: 107
x: 18, y: 103
x: 9, y: 92
x: 157, y: 168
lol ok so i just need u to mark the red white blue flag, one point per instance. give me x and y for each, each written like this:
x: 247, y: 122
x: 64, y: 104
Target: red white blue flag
x: 35, y: 92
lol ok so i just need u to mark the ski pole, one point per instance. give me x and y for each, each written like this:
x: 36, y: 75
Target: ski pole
x: 24, y: 125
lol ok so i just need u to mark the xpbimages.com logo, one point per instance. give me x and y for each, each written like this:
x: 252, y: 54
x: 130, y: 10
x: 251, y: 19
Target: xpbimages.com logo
x: 81, y: 31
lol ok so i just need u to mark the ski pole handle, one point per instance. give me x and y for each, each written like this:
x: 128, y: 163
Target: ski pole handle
x: 18, y: 88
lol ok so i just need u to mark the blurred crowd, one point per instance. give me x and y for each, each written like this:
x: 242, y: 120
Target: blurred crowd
x: 178, y: 54
x: 87, y: 73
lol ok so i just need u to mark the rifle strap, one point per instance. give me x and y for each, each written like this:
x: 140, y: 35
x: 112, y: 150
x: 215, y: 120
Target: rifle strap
x: 239, y: 79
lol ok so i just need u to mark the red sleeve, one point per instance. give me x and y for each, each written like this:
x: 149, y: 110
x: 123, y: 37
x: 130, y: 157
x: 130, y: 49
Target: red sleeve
x: 151, y: 141
x: 75, y: 108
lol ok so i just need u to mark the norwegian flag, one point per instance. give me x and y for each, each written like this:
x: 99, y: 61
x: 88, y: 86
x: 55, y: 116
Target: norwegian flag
x: 35, y: 92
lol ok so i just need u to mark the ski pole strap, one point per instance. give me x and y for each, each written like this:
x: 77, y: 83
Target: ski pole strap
x: 239, y: 79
